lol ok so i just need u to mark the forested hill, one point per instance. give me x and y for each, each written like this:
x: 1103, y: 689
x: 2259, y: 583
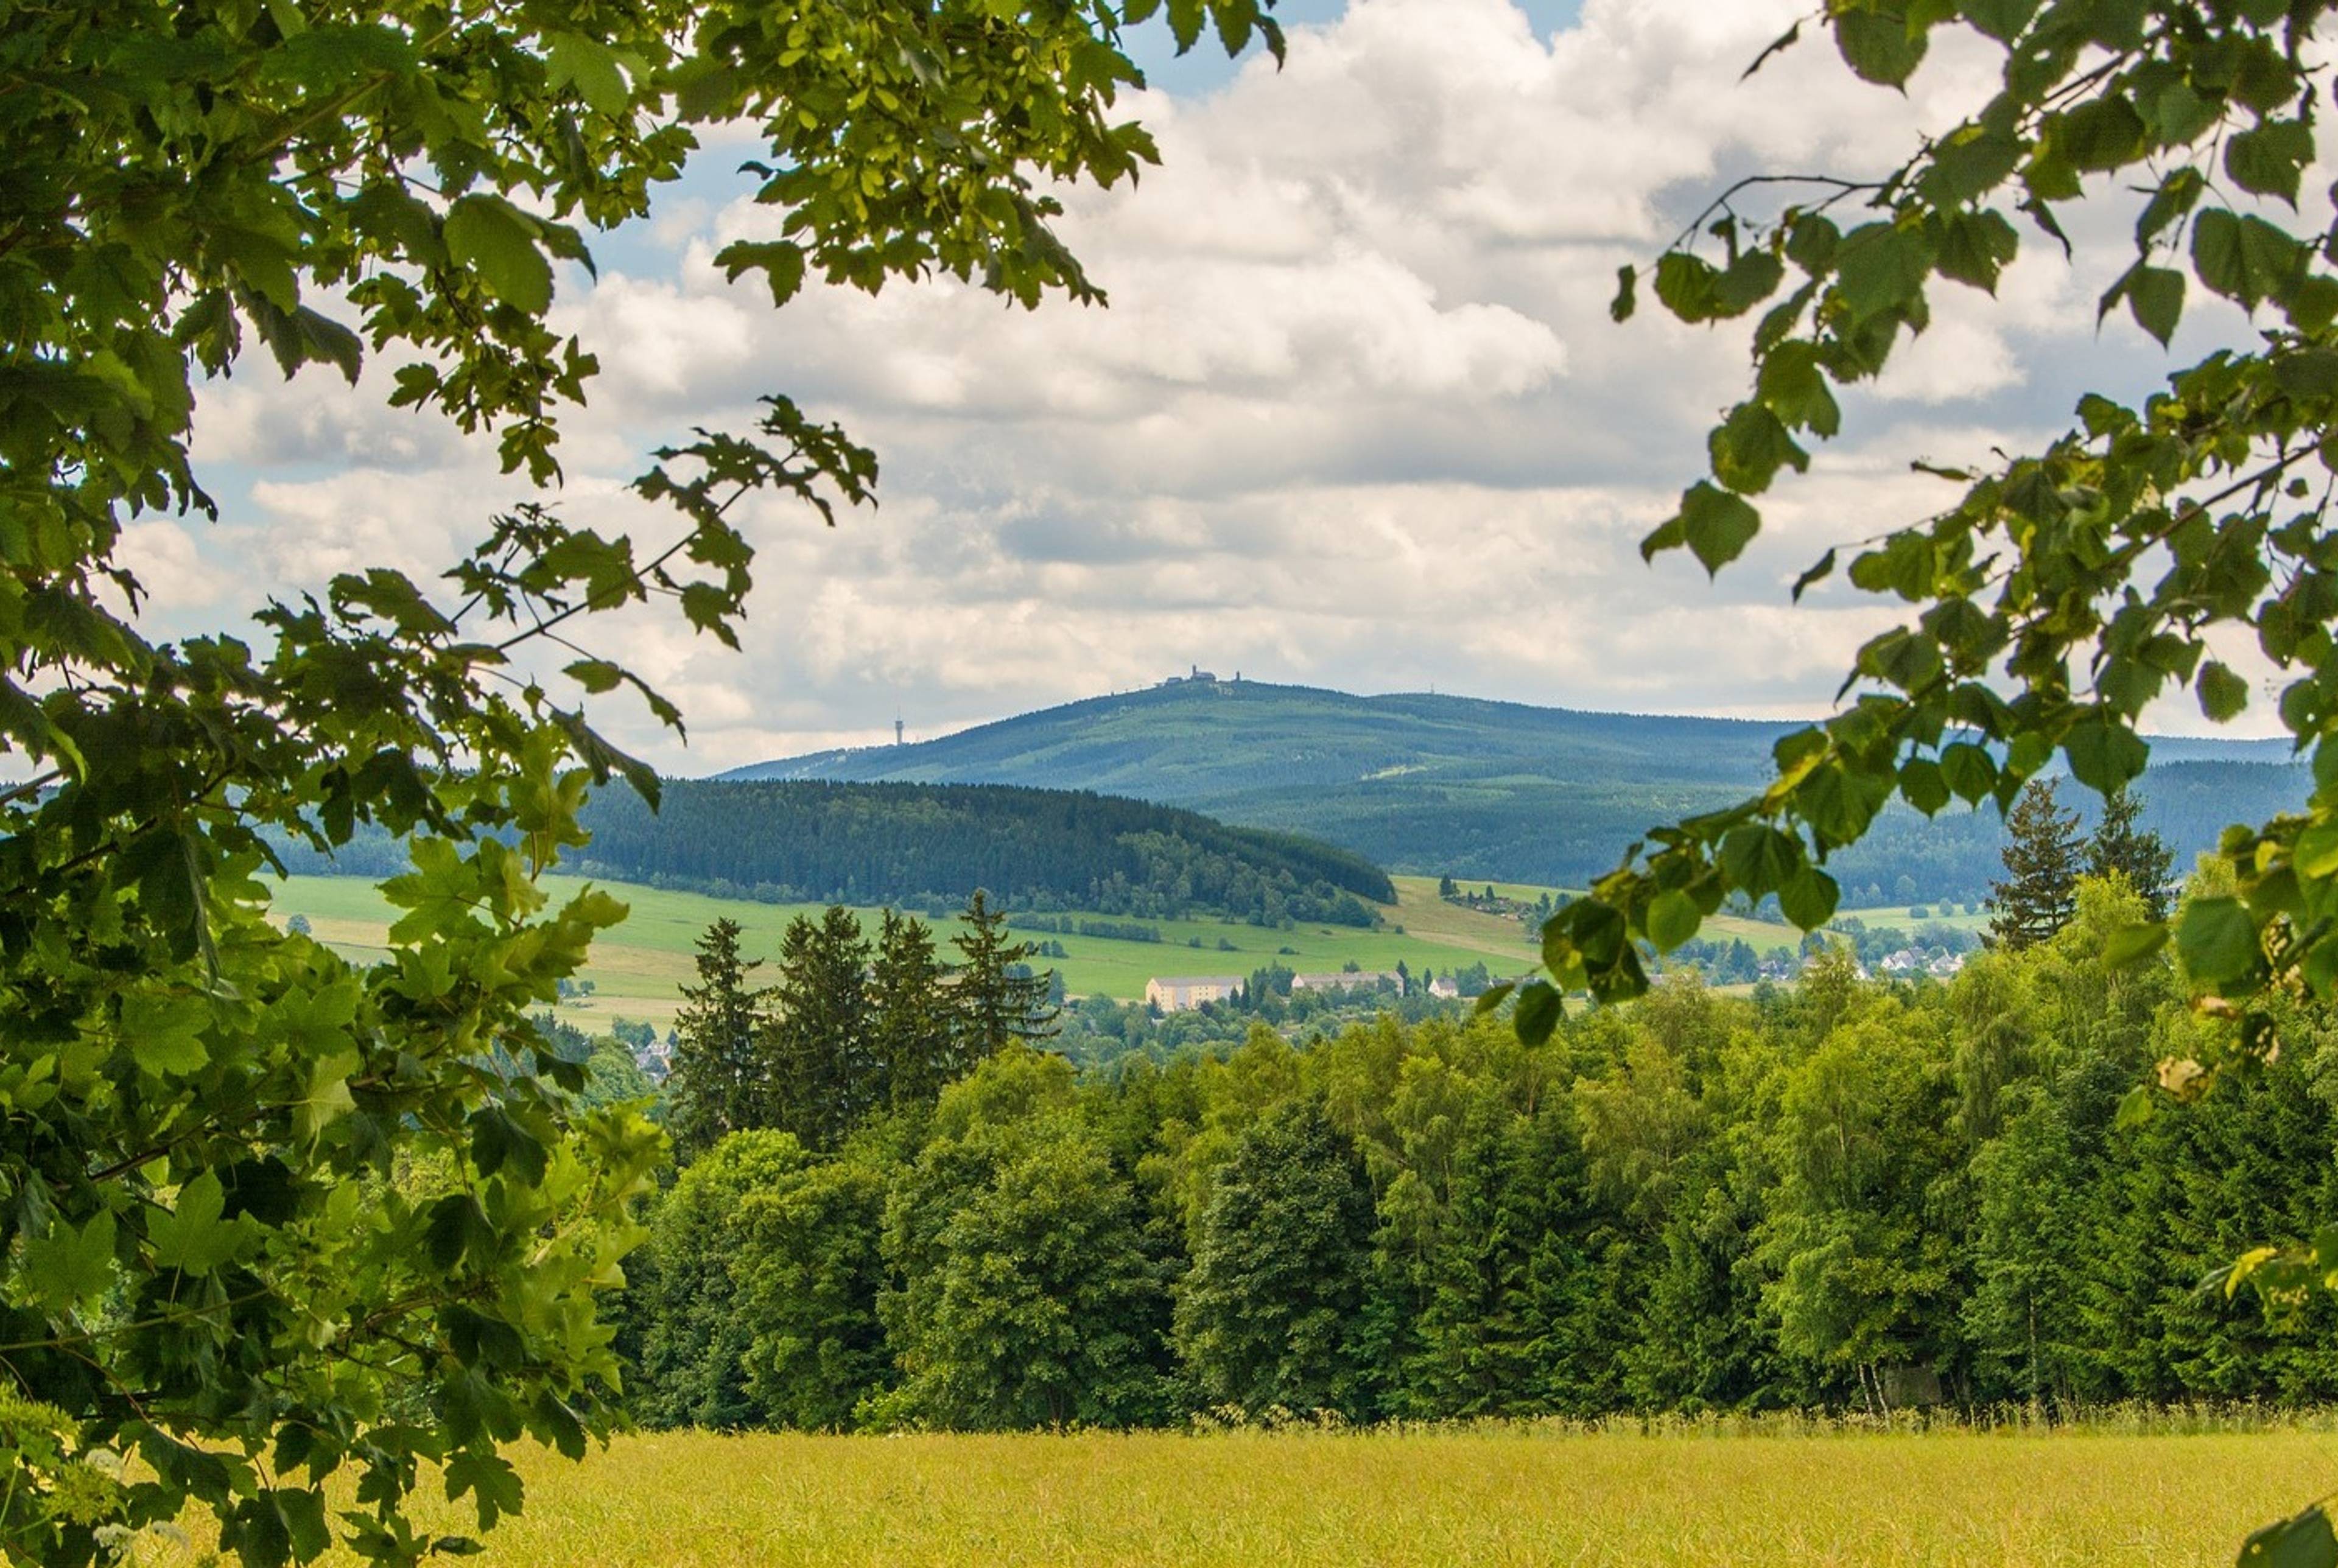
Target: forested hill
x: 912, y: 843
x: 1501, y: 790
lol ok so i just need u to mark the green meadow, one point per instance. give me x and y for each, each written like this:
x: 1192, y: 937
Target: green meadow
x: 637, y: 969
x: 1498, y: 1497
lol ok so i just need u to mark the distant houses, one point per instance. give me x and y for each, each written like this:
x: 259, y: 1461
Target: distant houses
x: 1183, y: 993
x: 1349, y: 979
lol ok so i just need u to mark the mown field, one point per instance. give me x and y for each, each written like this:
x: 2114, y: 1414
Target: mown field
x: 1500, y: 1498
x: 637, y: 970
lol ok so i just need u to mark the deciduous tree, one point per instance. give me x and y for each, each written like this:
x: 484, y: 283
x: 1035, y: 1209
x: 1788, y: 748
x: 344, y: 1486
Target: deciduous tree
x: 264, y: 1204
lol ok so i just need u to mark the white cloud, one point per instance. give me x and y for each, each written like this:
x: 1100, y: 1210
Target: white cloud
x: 1356, y: 415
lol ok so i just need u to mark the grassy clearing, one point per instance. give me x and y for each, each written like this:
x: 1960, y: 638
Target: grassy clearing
x: 1496, y: 1497
x: 638, y: 969
x: 1897, y: 915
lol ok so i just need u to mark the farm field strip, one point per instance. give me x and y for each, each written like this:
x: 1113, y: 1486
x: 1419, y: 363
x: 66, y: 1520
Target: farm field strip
x: 1503, y: 1498
x: 638, y: 968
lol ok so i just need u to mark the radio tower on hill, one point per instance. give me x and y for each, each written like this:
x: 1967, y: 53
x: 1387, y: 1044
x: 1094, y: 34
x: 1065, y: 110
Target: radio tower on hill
x: 897, y: 732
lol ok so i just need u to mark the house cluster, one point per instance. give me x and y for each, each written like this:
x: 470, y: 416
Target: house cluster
x: 1197, y: 676
x: 1910, y: 961
x: 1183, y: 993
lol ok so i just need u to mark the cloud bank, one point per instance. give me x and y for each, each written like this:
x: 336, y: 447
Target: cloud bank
x: 1356, y: 415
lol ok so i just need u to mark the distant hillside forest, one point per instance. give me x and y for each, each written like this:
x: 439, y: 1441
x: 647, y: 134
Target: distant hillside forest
x: 915, y: 844
x: 1502, y: 791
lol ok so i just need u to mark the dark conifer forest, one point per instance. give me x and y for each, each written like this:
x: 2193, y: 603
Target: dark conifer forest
x: 919, y: 843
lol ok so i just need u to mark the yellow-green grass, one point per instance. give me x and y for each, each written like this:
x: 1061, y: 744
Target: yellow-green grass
x: 638, y: 969
x: 1896, y: 915
x: 1497, y: 1499
x: 1761, y: 936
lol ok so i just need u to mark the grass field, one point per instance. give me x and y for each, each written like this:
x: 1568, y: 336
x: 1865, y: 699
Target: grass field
x: 638, y: 968
x: 1507, y: 1497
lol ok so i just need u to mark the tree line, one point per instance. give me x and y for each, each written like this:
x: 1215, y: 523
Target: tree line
x: 849, y: 1028
x: 1848, y: 1194
x: 917, y: 844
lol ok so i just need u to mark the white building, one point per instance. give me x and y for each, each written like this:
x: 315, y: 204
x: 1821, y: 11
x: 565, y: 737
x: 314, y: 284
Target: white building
x: 1356, y: 979
x: 1444, y: 988
x: 1183, y: 993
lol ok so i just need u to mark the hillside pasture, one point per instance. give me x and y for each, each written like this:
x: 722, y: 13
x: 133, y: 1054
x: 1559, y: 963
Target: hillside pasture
x: 637, y: 970
x: 1502, y: 1497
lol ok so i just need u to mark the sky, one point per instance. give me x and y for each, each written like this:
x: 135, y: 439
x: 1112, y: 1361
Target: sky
x: 1356, y: 415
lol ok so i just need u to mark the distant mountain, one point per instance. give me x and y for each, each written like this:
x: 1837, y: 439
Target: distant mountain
x: 1499, y: 790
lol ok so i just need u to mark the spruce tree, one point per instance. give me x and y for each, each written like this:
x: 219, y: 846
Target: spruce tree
x: 2039, y: 893
x: 2139, y: 855
x: 914, y: 1048
x: 818, y: 1041
x: 719, y: 1083
x: 995, y: 999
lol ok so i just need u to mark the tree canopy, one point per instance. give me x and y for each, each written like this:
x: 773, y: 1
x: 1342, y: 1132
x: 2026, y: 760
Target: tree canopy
x: 2062, y: 591
x: 269, y: 1215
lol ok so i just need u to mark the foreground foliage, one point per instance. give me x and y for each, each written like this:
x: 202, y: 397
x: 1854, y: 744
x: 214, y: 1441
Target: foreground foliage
x: 264, y: 1216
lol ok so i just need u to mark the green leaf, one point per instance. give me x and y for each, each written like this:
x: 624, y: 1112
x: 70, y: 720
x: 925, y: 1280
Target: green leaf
x: 1748, y: 450
x: 2222, y: 693
x: 1923, y: 785
x: 1881, y: 49
x: 490, y: 234
x: 1970, y: 771
x: 1758, y: 859
x: 2246, y: 260
x: 1627, y: 294
x: 2218, y: 941
x: 1539, y: 1009
x: 1673, y: 919
x: 1493, y: 997
x: 1686, y: 284
x: 1716, y: 525
x: 2106, y: 755
x: 494, y: 1485
x: 192, y: 1238
x: 2154, y: 296
x: 2271, y: 159
x: 1809, y: 898
x: 592, y: 68
x: 781, y: 261
x: 1975, y: 247
x: 1881, y: 268
x: 2137, y: 1106
x: 2100, y: 134
x: 164, y: 1033
x: 2315, y: 853
x: 1818, y: 573
x: 2131, y: 945
x: 2002, y: 19
x: 2304, y: 1541
x: 68, y: 1268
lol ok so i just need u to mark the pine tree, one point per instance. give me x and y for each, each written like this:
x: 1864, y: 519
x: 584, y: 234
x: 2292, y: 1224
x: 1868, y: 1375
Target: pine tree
x: 996, y: 1002
x: 818, y: 1042
x: 911, y: 1038
x: 2140, y: 856
x: 719, y: 1084
x: 2039, y: 893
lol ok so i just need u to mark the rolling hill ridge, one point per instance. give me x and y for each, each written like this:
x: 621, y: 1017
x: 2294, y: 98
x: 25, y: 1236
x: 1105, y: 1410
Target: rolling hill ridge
x: 1436, y: 784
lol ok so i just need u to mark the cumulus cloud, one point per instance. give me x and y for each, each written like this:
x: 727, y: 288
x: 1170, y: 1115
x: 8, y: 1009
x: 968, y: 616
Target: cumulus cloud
x: 1356, y: 415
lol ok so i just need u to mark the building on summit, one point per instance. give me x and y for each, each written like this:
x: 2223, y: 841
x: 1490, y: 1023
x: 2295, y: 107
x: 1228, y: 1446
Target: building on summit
x: 1183, y: 993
